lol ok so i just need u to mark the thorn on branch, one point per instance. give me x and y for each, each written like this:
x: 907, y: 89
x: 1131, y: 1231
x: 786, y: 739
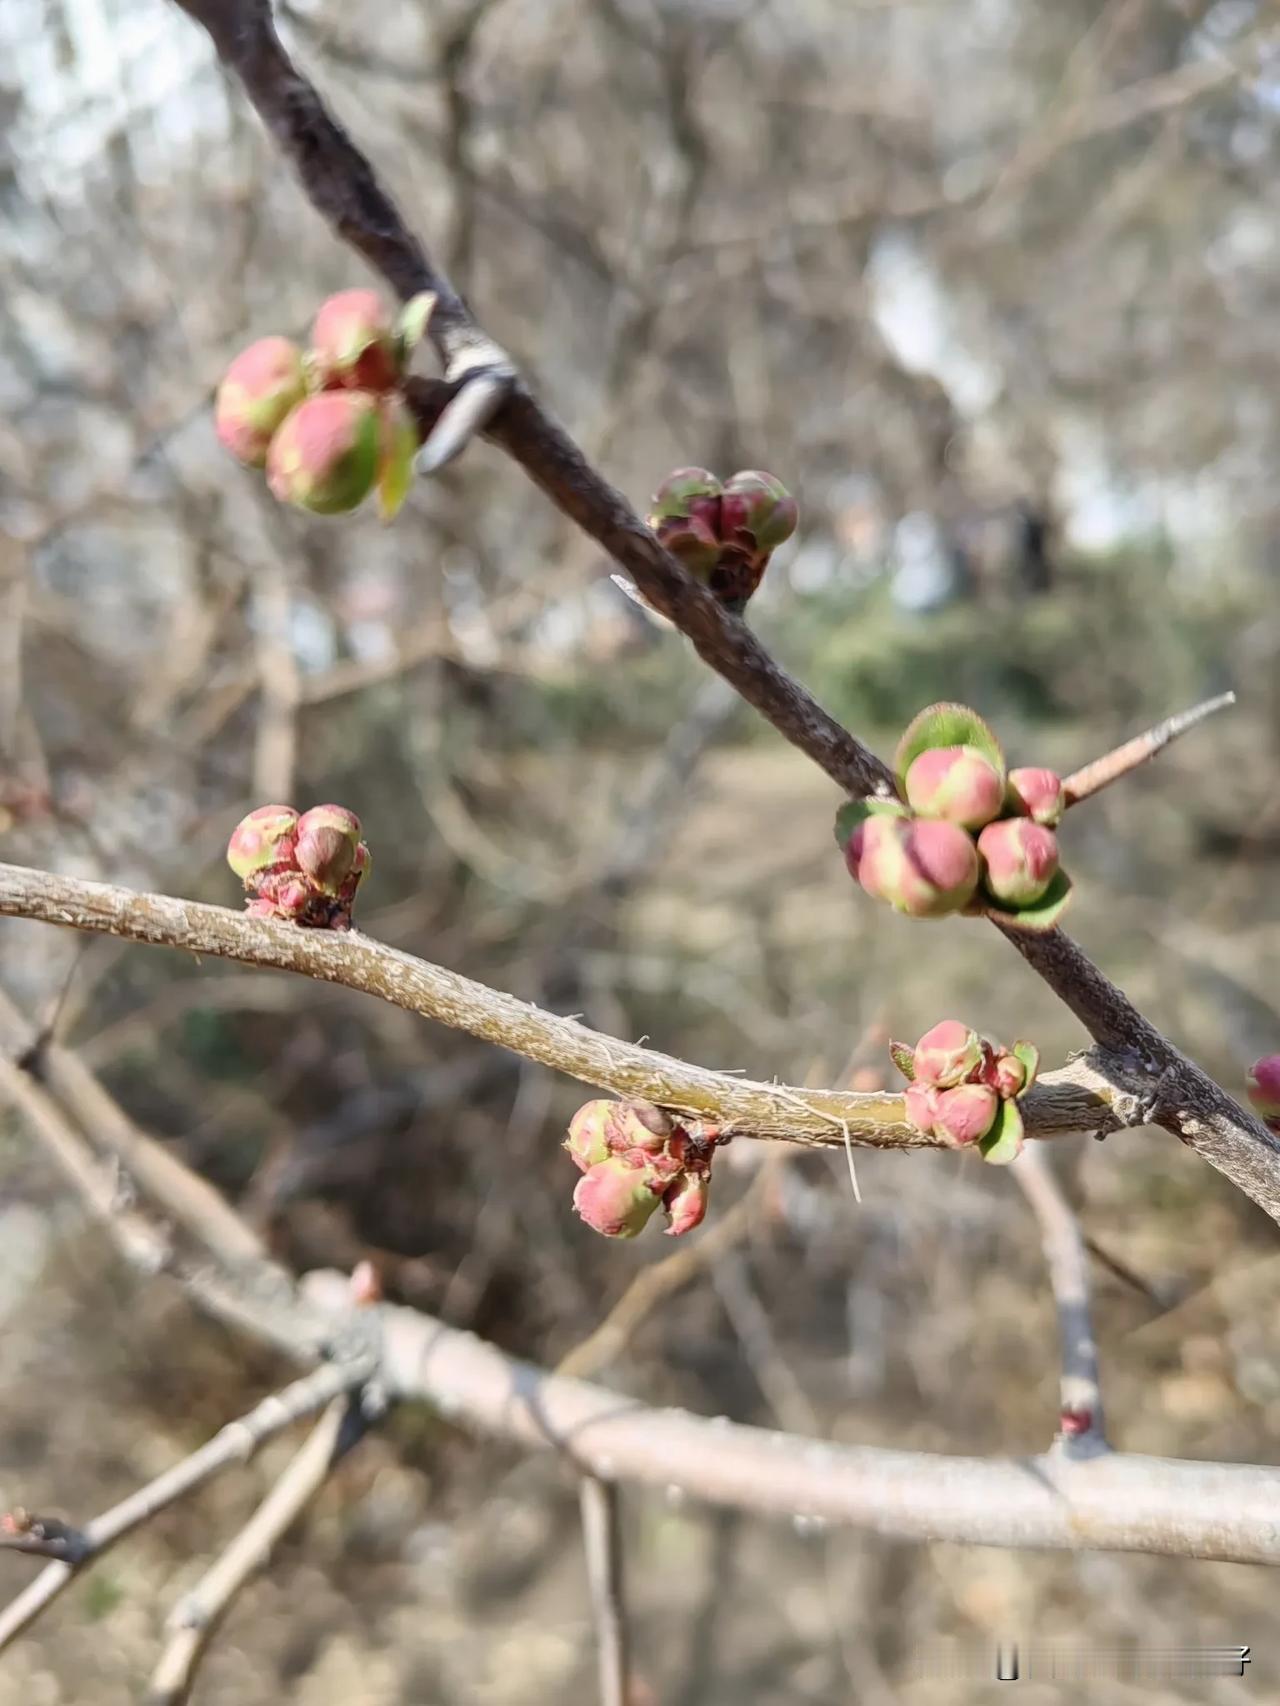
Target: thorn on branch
x: 1091, y: 778
x: 466, y: 413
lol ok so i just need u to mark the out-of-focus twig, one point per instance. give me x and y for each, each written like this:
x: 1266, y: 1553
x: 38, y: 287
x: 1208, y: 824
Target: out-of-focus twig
x: 197, y: 1614
x: 235, y: 1443
x: 1080, y: 1423
x: 602, y: 1548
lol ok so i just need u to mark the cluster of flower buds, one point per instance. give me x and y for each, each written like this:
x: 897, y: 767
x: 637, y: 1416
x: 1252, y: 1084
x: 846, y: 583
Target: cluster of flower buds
x: 1263, y: 1084
x: 964, y: 1089
x: 971, y: 836
x: 632, y: 1157
x: 304, y: 868
x: 724, y: 534
x: 330, y: 422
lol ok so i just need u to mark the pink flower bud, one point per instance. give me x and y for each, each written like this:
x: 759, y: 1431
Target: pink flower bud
x: 328, y: 840
x: 955, y: 783
x: 1007, y: 1075
x: 587, y: 1142
x: 258, y: 390
x: 923, y: 868
x: 324, y: 458
x: 282, y: 893
x: 264, y: 838
x: 1021, y: 860
x: 354, y: 344
x: 947, y: 1055
x: 686, y: 1203
x: 965, y: 1113
x: 615, y: 1199
x: 922, y: 1107
x: 757, y: 511
x: 637, y: 1125
x: 1263, y: 1082
x: 1036, y: 794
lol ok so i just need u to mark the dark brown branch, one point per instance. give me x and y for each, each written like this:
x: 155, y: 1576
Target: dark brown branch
x: 342, y: 185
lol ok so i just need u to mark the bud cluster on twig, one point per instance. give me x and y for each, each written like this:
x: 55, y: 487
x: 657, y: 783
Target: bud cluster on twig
x: 305, y: 868
x: 972, y: 836
x: 723, y: 533
x: 330, y: 422
x: 964, y: 1089
x: 633, y: 1157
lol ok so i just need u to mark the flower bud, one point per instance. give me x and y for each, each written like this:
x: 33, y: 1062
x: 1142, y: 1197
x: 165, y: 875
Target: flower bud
x: 324, y: 458
x: 922, y: 1107
x: 1007, y: 1075
x: 685, y: 514
x: 686, y: 1203
x: 955, y: 783
x: 1037, y: 794
x: 328, y: 839
x: 947, y: 1055
x: 353, y: 343
x: 637, y: 1125
x: 614, y: 1198
x: 923, y: 868
x: 1263, y: 1082
x: 965, y: 1113
x: 264, y: 838
x: 586, y: 1142
x: 757, y: 511
x: 1020, y: 858
x: 283, y: 894
x: 257, y: 392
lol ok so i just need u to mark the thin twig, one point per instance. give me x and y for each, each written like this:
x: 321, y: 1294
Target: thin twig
x: 1090, y: 778
x: 1080, y: 1420
x: 602, y: 1547
x: 163, y: 1179
x: 197, y: 1614
x: 235, y: 1443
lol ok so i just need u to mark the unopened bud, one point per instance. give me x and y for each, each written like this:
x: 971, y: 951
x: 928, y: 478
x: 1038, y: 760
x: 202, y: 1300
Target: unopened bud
x: 1263, y: 1082
x: 757, y: 511
x: 1037, y: 794
x: 955, y: 783
x: 965, y: 1113
x: 1020, y: 860
x: 615, y: 1198
x: 328, y: 840
x: 258, y: 391
x: 686, y: 1203
x: 923, y: 868
x: 324, y: 458
x: 354, y: 344
x: 587, y: 1142
x: 264, y: 838
x: 947, y: 1055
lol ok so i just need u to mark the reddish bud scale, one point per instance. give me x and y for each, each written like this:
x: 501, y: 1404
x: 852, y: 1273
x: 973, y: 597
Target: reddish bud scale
x: 328, y: 839
x: 965, y: 1113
